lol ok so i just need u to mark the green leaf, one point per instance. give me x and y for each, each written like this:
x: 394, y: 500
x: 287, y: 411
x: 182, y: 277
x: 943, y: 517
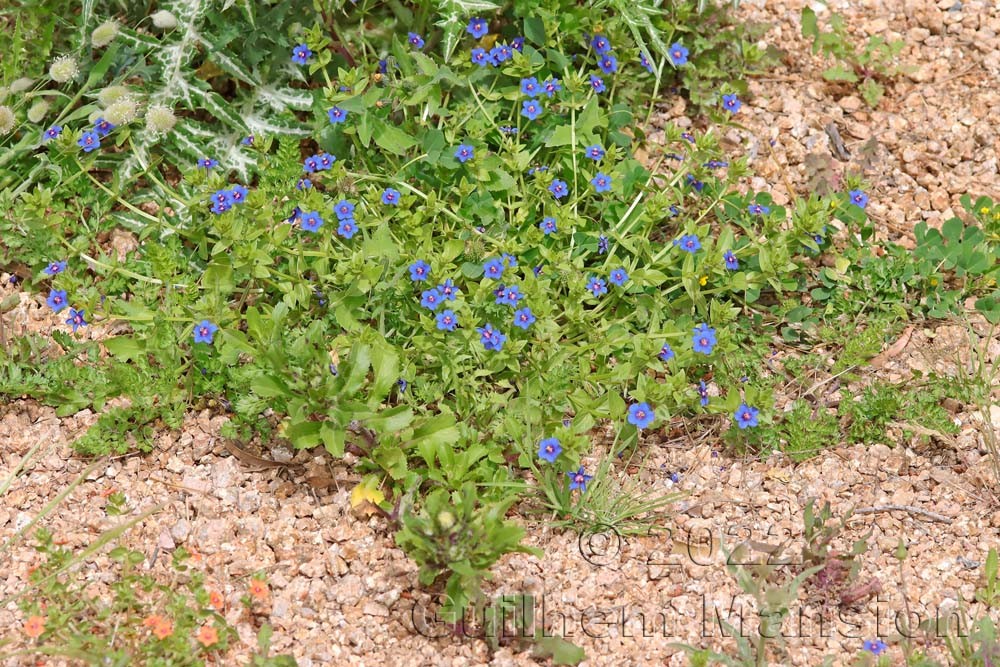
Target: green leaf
x: 534, y: 30
x: 391, y: 420
x: 561, y: 651
x: 125, y: 347
x: 809, y: 26
x: 392, y: 460
x: 391, y: 138
x: 561, y: 136
x: 839, y: 73
x: 333, y: 438
x: 268, y: 387
x: 304, y: 434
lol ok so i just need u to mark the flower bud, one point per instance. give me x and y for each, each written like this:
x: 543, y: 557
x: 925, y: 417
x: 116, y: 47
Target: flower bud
x: 64, y: 69
x: 164, y: 20
x: 37, y: 111
x: 160, y: 119
x: 20, y: 85
x: 104, y: 34
x: 446, y: 519
x: 6, y: 119
x: 111, y: 94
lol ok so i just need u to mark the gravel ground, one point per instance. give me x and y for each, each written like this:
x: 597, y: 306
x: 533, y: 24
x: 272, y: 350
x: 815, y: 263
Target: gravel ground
x: 343, y: 594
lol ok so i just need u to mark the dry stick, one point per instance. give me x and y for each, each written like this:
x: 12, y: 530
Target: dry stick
x: 933, y: 516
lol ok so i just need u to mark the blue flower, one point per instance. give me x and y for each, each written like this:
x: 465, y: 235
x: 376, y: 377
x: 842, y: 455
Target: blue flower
x: 303, y: 184
x: 731, y: 103
x: 702, y: 393
x: 694, y: 183
x: 501, y: 53
x: 602, y: 244
x: 608, y: 64
x: 716, y: 164
x: 578, y: 480
x: 549, y: 449
x: 477, y: 28
x: 688, y: 137
x: 221, y: 207
x: 508, y: 296
x: 678, y: 54
x: 293, y: 218
x: 597, y: 83
x: 518, y: 44
x: 529, y: 87
x: 666, y: 352
x: 531, y: 109
x: 204, y: 331
x: 301, y: 54
x: 688, y: 243
x: 390, y: 197
x: 746, y: 416
x: 523, y: 318
x: 480, y: 57
x: 207, y: 163
x: 326, y: 161
x: 344, y: 210
x: 547, y: 225
x: 311, y: 164
x: 493, y: 268
x: 448, y: 290
x: 415, y: 40
x: 247, y: 141
x: 507, y: 129
x: 597, y: 286
x: 56, y: 300
x: 508, y: 259
x: 704, y: 339
x: 431, y: 298
x: 336, y: 115
x: 600, y: 44
x: 311, y: 221
x: 420, y: 270
x: 559, y: 189
x: 858, y: 198
x: 644, y: 61
x: 491, y: 338
x: 238, y: 194
x: 446, y: 320
x: 551, y: 87
x: 402, y: 384
x: 641, y: 415
x: 758, y: 209
x: 875, y: 646
x: 601, y: 182
x: 52, y: 132
x: 464, y: 153
x: 89, y: 141
x: 103, y: 127
x: 347, y: 227
x: 595, y: 152
x: 76, y: 319
x: 54, y: 268
x: 618, y: 277
x: 731, y: 262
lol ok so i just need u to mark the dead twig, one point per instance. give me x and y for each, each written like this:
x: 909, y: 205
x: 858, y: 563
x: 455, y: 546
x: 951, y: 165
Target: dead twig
x: 933, y: 516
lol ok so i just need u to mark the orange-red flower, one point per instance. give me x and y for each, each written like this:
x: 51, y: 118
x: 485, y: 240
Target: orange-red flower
x: 258, y: 589
x: 162, y: 627
x: 34, y: 626
x: 216, y: 600
x: 207, y: 636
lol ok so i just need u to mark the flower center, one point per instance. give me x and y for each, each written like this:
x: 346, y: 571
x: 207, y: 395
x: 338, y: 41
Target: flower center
x: 704, y: 342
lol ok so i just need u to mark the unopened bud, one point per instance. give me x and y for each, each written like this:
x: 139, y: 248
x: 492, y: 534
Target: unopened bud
x: 37, y: 111
x: 160, y: 119
x: 104, y: 34
x: 6, y: 119
x: 164, y: 19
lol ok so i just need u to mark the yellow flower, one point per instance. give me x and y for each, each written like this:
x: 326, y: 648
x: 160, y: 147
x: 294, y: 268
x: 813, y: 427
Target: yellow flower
x: 703, y: 281
x: 984, y: 210
x: 934, y: 282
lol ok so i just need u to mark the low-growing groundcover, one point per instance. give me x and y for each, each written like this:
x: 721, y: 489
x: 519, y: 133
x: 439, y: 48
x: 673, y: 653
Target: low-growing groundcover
x: 457, y: 274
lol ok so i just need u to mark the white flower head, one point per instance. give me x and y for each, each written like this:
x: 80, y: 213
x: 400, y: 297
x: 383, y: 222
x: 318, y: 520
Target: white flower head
x: 20, y: 85
x: 164, y: 20
x: 64, y: 69
x: 122, y: 112
x: 104, y: 34
x: 160, y: 119
x: 112, y: 94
